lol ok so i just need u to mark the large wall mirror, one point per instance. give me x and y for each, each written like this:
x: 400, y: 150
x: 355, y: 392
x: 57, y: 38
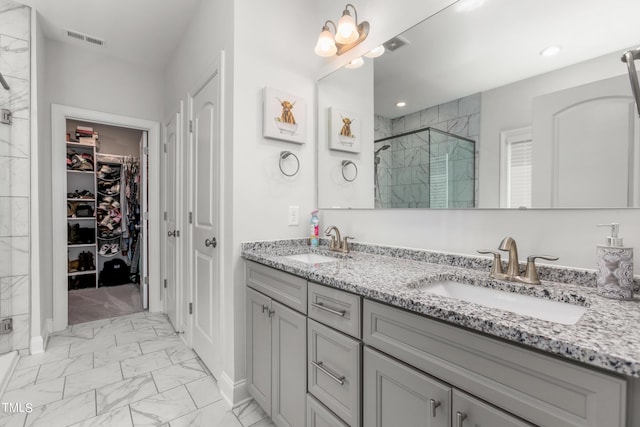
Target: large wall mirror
x: 491, y: 117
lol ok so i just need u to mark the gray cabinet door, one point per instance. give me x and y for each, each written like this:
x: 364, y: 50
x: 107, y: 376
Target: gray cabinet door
x: 259, y: 348
x: 470, y: 412
x: 395, y: 394
x: 289, y: 337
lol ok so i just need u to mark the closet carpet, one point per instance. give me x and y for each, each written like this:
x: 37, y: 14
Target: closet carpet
x: 86, y: 305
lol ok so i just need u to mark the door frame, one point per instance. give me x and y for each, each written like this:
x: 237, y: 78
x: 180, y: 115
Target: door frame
x: 178, y: 116
x: 59, y: 115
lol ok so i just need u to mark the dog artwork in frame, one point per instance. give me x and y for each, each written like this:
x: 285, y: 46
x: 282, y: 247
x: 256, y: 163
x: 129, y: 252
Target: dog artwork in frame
x: 285, y: 116
x: 344, y: 131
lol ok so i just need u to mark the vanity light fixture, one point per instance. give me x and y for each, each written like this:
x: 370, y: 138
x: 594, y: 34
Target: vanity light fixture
x: 348, y: 34
x: 401, y: 104
x: 375, y: 52
x: 355, y: 63
x: 551, y: 50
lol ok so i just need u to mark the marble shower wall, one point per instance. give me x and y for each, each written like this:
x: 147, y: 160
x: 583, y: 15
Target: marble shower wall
x: 14, y: 174
x: 404, y: 168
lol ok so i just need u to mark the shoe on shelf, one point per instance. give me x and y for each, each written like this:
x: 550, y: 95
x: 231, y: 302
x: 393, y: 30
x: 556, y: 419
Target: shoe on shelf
x: 105, y: 249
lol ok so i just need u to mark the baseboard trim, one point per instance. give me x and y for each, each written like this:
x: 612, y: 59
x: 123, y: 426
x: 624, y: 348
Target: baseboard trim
x: 39, y: 344
x: 234, y: 393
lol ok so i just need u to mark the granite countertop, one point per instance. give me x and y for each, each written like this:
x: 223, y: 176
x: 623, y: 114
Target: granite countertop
x: 607, y: 336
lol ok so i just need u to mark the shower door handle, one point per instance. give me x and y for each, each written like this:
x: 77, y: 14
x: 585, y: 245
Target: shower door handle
x: 211, y: 242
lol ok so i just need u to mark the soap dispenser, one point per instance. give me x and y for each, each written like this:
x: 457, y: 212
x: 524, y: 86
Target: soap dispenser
x: 615, y: 267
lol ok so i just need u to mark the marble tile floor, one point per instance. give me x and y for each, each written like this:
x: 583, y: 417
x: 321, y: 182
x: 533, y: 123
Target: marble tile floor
x: 124, y: 371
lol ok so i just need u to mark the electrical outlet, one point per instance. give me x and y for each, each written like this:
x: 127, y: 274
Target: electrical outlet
x: 294, y: 215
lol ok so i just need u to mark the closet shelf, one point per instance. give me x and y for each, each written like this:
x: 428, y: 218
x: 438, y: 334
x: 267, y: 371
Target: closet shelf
x: 77, y: 144
x: 108, y: 180
x: 81, y: 245
x: 81, y: 200
x: 84, y: 218
x: 80, y: 171
x: 109, y: 195
x: 81, y: 273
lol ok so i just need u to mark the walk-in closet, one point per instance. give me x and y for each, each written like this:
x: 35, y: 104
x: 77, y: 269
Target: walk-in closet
x: 105, y: 226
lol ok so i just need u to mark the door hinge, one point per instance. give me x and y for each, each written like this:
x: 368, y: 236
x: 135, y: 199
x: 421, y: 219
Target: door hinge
x: 165, y: 216
x: 6, y: 326
x: 145, y: 216
x: 190, y: 217
x: 165, y: 283
x: 146, y: 280
x: 191, y: 126
x: 145, y: 150
x: 165, y: 148
x: 190, y: 308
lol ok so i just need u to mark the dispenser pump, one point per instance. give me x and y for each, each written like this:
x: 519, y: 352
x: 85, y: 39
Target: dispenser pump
x: 613, y: 240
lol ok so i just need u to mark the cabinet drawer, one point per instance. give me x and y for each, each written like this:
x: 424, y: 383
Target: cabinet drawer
x: 334, y: 371
x: 319, y: 416
x: 338, y: 309
x: 538, y: 388
x: 284, y: 287
x: 469, y: 411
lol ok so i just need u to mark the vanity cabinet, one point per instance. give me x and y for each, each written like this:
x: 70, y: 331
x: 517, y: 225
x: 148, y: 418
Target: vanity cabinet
x: 276, y: 361
x: 535, y: 387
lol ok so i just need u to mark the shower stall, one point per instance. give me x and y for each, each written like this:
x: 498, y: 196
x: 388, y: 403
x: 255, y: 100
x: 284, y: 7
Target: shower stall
x: 425, y: 168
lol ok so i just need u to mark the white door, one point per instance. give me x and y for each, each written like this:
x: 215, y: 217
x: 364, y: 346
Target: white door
x: 205, y: 134
x: 144, y: 222
x: 172, y: 234
x: 580, y: 135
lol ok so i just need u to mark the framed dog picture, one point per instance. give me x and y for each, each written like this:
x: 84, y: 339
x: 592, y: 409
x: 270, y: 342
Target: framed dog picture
x: 285, y: 116
x: 344, y: 131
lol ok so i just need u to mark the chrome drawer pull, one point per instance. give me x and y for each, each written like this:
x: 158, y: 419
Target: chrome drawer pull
x: 460, y: 417
x: 319, y: 305
x: 339, y: 380
x: 433, y: 404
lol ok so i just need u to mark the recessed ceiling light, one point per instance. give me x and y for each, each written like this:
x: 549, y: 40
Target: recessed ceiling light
x: 401, y: 104
x: 468, y: 5
x: 355, y: 63
x: 551, y: 50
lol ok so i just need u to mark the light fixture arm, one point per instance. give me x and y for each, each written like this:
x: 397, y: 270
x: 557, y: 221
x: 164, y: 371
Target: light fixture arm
x: 355, y: 12
x: 325, y: 26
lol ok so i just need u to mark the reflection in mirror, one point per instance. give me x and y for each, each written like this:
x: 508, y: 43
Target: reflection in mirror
x: 556, y: 131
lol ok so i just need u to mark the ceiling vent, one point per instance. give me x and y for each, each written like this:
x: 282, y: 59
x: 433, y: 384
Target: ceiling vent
x: 84, y: 37
x: 395, y: 43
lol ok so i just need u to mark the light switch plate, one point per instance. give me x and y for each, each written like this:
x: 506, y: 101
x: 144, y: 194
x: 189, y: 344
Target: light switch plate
x: 294, y: 215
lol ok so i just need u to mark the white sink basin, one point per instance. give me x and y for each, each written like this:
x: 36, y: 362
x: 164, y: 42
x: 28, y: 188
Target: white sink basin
x: 552, y: 311
x: 311, y: 258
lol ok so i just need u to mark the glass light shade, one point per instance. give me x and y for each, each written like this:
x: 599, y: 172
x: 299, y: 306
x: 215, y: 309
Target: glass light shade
x: 375, y: 52
x: 326, y: 45
x: 347, y: 31
x: 355, y: 63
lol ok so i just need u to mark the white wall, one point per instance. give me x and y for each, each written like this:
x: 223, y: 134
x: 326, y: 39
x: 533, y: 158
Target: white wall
x: 282, y: 58
x: 346, y: 90
x: 569, y: 234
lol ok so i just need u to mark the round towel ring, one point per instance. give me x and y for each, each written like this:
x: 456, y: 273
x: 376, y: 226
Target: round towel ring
x: 346, y: 163
x: 284, y: 155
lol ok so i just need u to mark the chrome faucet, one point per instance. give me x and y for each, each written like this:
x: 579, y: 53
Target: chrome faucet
x: 513, y: 269
x: 337, y: 244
